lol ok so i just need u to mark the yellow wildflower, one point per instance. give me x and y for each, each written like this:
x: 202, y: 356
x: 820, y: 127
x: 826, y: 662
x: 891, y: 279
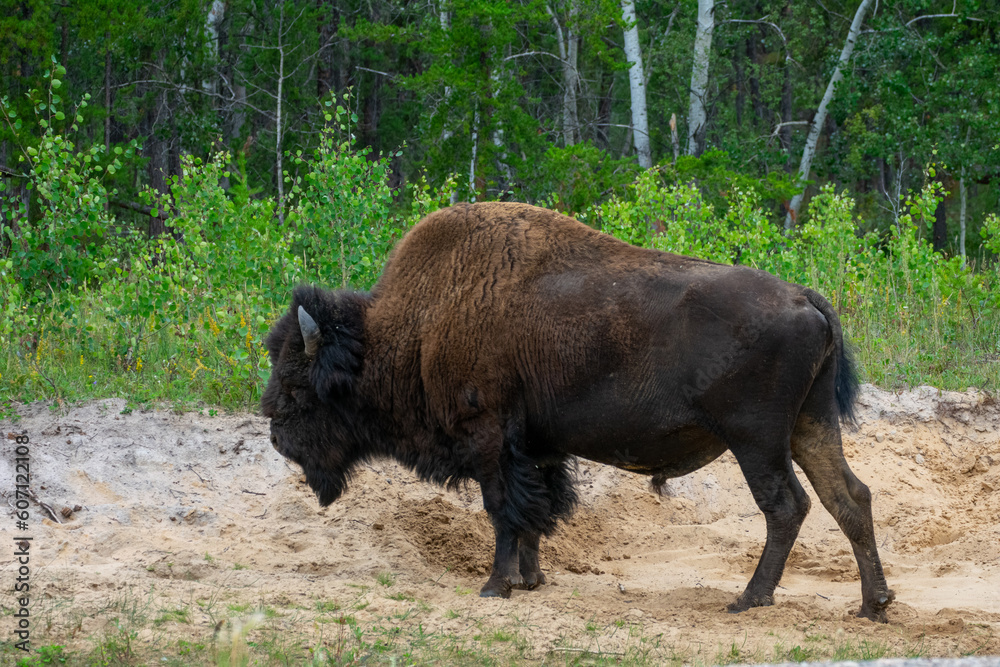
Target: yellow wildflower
x: 212, y: 324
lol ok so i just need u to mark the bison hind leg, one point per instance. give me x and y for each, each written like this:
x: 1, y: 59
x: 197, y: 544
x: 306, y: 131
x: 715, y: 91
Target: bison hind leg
x: 528, y: 565
x: 784, y: 503
x: 817, y: 448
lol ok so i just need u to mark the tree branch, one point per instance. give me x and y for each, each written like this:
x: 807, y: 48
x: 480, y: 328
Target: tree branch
x: 537, y: 53
x: 140, y: 208
x: 784, y: 40
x: 938, y: 16
x: 777, y: 128
x: 375, y: 71
x: 10, y: 173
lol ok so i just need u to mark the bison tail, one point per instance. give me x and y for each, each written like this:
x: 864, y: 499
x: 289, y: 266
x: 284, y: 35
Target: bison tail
x: 846, y: 383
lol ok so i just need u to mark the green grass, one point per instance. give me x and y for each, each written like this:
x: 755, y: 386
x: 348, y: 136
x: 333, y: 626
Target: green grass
x: 327, y: 606
x: 249, y: 635
x: 173, y: 616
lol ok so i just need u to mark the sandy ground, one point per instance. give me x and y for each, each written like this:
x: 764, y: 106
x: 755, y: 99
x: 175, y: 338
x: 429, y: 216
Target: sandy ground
x: 197, y: 512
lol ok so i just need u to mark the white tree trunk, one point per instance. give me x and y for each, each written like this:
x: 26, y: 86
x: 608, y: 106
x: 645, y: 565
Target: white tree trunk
x: 472, y: 162
x: 216, y: 14
x: 568, y: 52
x: 961, y: 215
x: 445, y: 19
x: 697, y: 116
x: 817, y: 125
x: 497, y: 137
x: 674, y: 139
x: 277, y: 120
x: 962, y: 198
x: 636, y: 81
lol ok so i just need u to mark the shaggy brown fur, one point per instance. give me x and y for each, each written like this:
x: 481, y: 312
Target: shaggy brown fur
x: 502, y: 339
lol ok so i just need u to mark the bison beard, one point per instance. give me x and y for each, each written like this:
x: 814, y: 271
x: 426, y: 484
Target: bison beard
x: 504, y: 339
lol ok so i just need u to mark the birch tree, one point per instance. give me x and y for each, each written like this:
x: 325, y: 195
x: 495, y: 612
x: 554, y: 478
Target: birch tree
x: 637, y: 86
x: 820, y: 119
x: 962, y: 201
x: 498, y: 140
x: 568, y: 42
x: 472, y: 161
x: 444, y: 18
x: 962, y: 194
x: 697, y: 115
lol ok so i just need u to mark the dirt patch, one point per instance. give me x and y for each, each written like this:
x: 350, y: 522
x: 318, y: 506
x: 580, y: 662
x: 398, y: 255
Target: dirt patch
x: 198, y: 512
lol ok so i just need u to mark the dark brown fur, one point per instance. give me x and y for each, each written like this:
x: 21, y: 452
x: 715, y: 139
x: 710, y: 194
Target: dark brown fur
x: 503, y: 339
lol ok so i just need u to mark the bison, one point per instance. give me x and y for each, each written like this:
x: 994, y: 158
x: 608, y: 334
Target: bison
x: 503, y: 339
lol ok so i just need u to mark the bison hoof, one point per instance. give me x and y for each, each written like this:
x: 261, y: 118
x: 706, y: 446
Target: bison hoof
x: 496, y: 589
x: 530, y: 581
x: 743, y: 603
x: 875, y: 610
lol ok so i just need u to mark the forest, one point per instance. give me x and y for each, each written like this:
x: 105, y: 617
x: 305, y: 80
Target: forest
x: 168, y: 171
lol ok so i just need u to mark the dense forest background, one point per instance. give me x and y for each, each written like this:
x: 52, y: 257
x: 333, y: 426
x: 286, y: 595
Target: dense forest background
x: 168, y: 170
x: 528, y: 99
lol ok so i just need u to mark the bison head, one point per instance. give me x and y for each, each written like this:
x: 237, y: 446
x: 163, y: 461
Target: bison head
x: 317, y: 353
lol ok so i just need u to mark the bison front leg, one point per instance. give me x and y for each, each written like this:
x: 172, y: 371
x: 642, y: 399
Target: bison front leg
x: 505, y: 575
x: 487, y: 443
x: 516, y: 495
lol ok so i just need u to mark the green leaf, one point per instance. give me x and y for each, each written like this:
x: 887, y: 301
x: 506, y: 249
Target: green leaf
x: 56, y: 83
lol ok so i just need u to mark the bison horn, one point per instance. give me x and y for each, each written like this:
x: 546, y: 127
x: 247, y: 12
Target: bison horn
x: 310, y: 332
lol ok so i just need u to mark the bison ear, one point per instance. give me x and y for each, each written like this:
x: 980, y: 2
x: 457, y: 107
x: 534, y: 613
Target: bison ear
x: 311, y: 335
x: 339, y: 354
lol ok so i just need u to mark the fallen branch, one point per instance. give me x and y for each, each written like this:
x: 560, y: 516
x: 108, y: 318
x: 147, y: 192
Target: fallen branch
x: 190, y: 467
x: 43, y: 505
